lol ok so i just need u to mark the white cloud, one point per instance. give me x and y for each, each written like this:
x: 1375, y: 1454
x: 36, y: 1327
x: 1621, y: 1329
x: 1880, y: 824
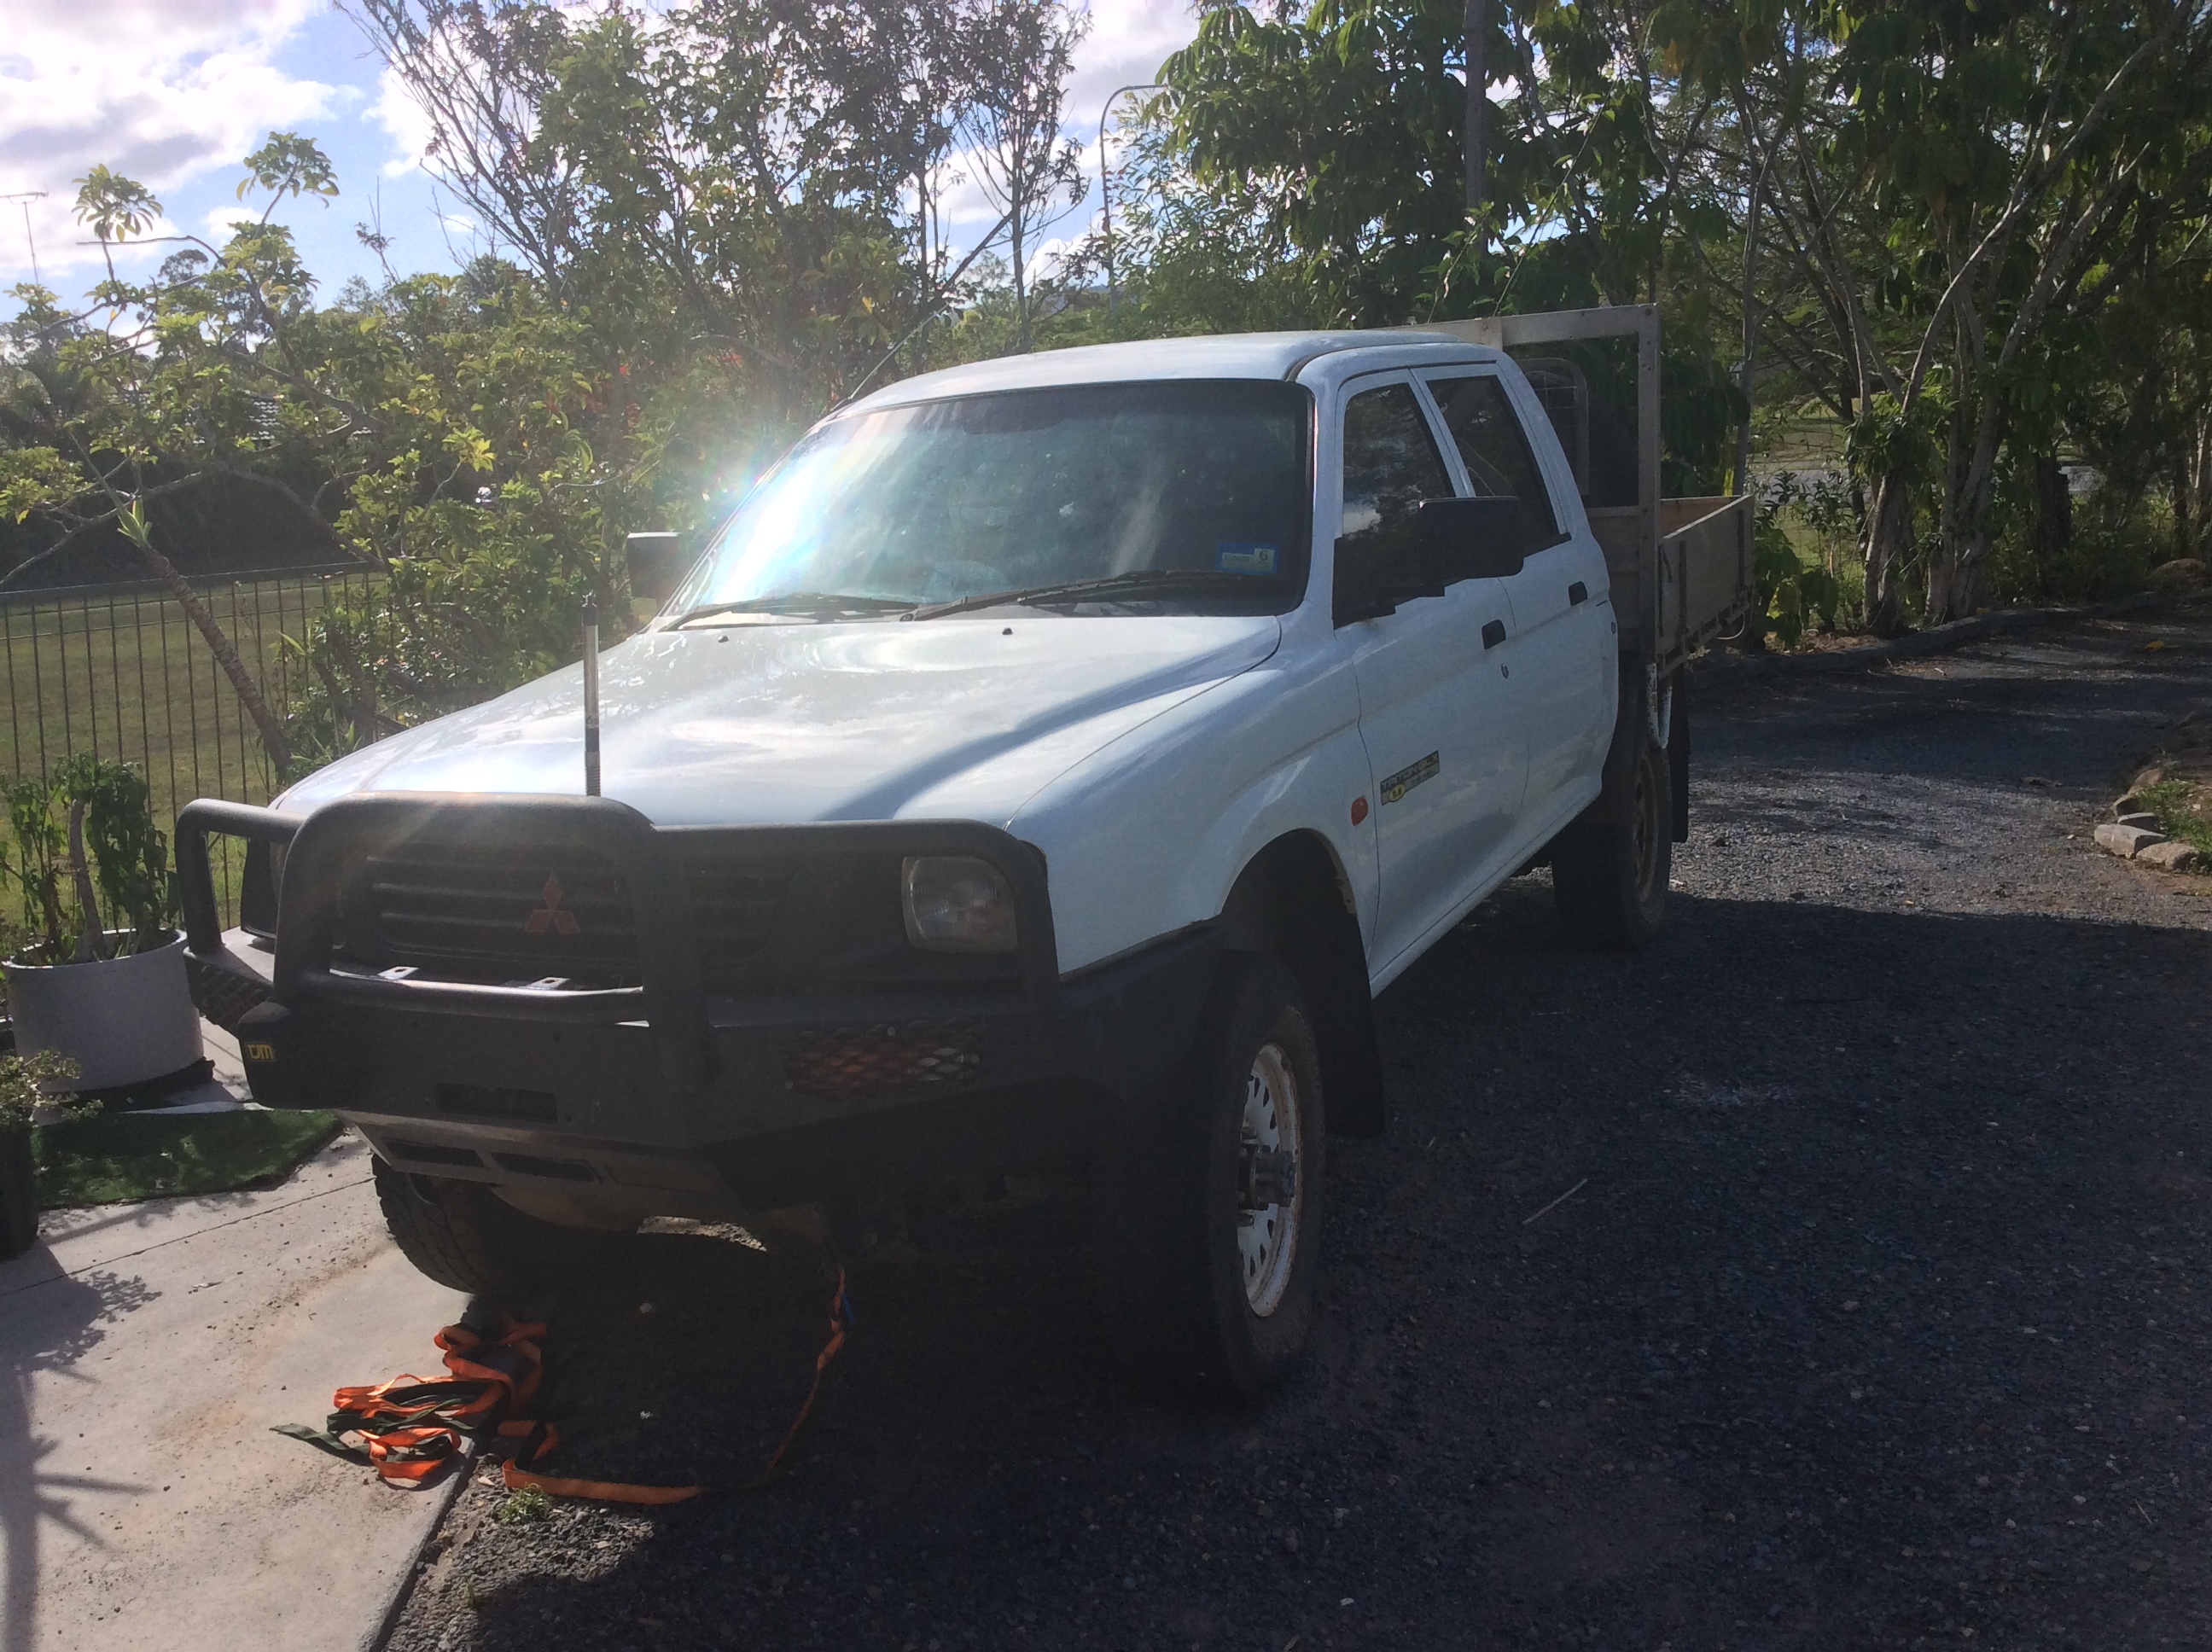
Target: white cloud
x: 218, y: 223
x: 400, y: 115
x: 1129, y: 39
x: 160, y: 90
x: 1045, y: 262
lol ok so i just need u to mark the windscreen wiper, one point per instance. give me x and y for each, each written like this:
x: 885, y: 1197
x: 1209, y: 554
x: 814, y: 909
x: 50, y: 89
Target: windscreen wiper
x: 1142, y: 582
x: 796, y: 602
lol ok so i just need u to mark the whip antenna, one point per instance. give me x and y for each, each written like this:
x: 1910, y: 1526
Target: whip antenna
x: 590, y: 696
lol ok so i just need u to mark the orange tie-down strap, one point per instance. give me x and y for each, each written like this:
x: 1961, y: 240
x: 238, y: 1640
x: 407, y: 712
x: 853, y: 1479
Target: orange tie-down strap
x: 409, y: 1428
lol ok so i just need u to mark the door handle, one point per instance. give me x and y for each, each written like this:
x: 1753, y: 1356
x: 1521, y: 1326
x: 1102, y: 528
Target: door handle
x: 1493, y: 633
x: 1578, y: 593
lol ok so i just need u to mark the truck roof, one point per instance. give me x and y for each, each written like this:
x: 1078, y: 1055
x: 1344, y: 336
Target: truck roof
x: 1219, y: 356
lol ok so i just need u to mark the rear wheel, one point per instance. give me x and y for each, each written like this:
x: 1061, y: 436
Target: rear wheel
x: 1610, y: 876
x: 464, y: 1235
x: 1207, y: 1215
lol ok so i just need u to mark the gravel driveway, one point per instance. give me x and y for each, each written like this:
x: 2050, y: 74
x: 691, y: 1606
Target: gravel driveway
x: 1878, y: 1317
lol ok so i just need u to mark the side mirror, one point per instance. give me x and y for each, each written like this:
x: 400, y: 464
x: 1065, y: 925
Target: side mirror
x: 1450, y: 540
x: 658, y: 564
x: 1377, y: 569
x: 1474, y: 539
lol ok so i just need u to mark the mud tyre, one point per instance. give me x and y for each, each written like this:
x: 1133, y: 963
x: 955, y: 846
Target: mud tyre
x: 462, y: 1235
x: 1207, y: 1215
x: 1609, y: 876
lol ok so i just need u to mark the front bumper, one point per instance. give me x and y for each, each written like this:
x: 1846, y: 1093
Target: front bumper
x: 667, y: 1096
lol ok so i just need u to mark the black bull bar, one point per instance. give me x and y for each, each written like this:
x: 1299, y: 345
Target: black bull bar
x: 318, y: 1030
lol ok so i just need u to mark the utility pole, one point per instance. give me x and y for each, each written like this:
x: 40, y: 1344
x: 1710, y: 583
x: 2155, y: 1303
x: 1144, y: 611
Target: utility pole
x: 24, y: 199
x: 1106, y: 186
x: 1478, y: 107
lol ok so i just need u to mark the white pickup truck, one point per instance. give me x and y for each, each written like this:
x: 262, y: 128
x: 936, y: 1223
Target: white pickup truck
x: 1050, y: 757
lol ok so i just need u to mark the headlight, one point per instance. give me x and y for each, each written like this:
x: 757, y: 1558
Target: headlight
x: 956, y: 903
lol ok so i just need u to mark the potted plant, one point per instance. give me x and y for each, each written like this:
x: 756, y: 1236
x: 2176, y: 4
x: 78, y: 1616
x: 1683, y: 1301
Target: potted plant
x: 102, y: 981
x: 22, y: 1078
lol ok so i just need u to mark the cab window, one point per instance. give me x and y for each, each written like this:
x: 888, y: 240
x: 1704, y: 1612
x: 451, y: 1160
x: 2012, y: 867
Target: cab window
x: 1390, y: 465
x: 1494, y: 447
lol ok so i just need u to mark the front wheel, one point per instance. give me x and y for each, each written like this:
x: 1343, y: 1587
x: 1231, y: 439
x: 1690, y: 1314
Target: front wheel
x: 464, y: 1235
x: 1610, y: 876
x: 1207, y: 1214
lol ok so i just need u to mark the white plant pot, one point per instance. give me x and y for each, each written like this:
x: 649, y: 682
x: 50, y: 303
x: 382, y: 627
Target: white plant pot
x: 122, y: 1021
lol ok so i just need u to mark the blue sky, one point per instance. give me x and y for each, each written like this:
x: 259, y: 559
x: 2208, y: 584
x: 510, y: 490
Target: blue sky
x: 173, y: 91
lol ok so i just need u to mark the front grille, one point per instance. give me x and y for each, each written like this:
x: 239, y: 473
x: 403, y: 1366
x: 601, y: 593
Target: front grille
x: 538, y: 914
x: 518, y: 913
x: 511, y: 912
x: 892, y: 1056
x: 733, y: 911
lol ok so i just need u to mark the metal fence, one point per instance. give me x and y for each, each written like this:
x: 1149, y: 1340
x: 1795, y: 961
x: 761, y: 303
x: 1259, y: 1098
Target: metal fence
x: 120, y: 672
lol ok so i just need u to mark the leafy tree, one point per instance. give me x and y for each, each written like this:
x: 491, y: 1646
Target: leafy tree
x: 438, y: 430
x: 723, y: 219
x: 1308, y: 165
x: 1020, y: 54
x: 102, y: 420
x: 1946, y: 195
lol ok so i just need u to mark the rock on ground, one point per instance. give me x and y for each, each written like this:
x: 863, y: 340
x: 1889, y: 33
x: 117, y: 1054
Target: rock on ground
x: 2126, y: 842
x: 2169, y: 857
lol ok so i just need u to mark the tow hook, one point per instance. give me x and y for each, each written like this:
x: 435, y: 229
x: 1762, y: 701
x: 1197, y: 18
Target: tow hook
x: 1265, y: 1177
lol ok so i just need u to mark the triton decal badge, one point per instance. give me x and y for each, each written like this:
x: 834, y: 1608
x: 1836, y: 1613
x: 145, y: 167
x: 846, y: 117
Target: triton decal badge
x: 552, y: 915
x: 1396, y: 786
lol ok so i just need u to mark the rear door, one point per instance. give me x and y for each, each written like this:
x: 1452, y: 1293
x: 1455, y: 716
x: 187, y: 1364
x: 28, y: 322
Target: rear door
x: 1562, y: 619
x: 1442, y: 733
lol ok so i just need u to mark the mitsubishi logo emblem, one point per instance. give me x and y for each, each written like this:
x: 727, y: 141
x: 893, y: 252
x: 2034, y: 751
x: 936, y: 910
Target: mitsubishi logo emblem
x: 552, y: 915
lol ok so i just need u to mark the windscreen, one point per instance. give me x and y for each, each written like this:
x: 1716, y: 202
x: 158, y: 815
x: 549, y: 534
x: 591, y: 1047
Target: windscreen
x: 1023, y: 489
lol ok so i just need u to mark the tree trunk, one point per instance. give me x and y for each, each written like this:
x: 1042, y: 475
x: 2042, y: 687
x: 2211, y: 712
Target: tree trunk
x: 1478, y: 104
x: 1948, y: 575
x: 1954, y: 581
x: 1750, y: 331
x: 1889, y: 546
x: 241, y: 681
x: 1019, y: 191
x: 2179, y: 489
x: 2203, y: 485
x: 2051, y: 529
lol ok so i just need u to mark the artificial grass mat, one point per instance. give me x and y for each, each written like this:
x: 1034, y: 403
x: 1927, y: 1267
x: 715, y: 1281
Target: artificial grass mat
x: 113, y: 1159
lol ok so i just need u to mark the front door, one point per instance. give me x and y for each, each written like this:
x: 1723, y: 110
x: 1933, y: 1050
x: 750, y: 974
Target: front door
x: 1436, y: 705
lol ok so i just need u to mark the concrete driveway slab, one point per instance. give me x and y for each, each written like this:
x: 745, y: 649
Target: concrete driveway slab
x: 147, y: 1351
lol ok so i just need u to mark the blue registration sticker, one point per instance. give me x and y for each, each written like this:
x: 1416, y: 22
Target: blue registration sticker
x: 1231, y: 557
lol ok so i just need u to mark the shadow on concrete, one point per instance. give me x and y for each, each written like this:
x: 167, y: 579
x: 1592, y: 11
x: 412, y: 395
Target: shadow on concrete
x: 345, y: 1152
x: 49, y: 1321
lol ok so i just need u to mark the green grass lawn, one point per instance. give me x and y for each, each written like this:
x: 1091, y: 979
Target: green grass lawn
x: 114, y: 1158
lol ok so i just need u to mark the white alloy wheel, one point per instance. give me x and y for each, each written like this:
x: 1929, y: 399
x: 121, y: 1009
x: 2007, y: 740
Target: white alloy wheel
x: 1267, y: 1224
